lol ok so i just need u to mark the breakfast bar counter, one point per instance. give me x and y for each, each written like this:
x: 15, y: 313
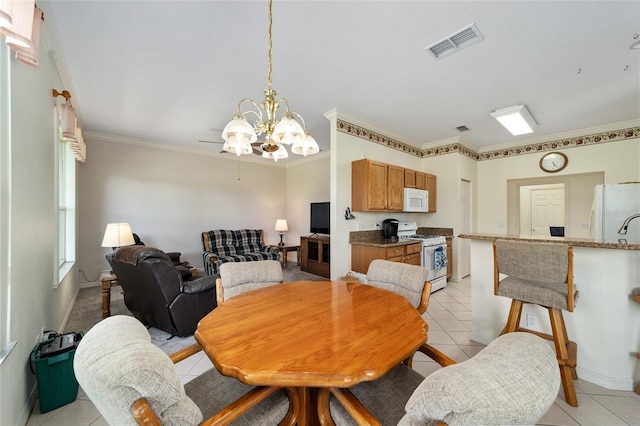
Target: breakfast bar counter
x: 605, y: 323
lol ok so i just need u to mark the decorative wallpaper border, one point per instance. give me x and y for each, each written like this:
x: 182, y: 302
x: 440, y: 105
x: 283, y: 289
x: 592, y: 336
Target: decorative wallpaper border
x: 379, y: 138
x: 597, y: 138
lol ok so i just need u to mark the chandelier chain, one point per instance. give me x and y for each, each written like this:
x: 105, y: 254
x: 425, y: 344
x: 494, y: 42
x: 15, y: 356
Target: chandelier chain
x: 270, y: 44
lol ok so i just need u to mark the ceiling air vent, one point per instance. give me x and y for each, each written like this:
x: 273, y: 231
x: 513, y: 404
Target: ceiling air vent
x: 461, y: 39
x: 463, y: 128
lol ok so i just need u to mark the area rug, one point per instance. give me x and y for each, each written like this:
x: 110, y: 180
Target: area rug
x: 87, y: 311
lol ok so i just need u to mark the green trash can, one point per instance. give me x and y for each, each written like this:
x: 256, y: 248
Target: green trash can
x: 52, y: 363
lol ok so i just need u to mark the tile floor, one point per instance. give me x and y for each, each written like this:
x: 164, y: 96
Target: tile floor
x: 449, y: 319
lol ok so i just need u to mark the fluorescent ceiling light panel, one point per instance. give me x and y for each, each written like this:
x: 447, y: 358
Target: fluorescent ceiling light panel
x: 516, y: 119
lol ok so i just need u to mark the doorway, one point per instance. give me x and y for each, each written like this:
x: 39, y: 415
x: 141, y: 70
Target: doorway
x: 541, y: 207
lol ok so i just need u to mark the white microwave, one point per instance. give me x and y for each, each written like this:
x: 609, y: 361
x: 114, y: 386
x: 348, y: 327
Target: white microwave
x: 416, y: 200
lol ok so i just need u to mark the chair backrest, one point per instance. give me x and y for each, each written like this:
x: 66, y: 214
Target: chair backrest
x: 548, y: 263
x: 116, y: 364
x: 219, y: 241
x: 150, y: 282
x: 238, y: 277
x: 409, y: 281
x: 514, y: 380
x: 228, y: 243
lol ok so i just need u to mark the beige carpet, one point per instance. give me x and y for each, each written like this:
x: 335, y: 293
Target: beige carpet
x: 87, y: 311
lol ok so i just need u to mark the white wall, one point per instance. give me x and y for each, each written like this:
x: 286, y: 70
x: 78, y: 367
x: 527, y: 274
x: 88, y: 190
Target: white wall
x: 171, y: 196
x: 619, y: 161
x: 34, y: 303
x: 346, y: 148
x: 450, y: 170
x: 307, y: 182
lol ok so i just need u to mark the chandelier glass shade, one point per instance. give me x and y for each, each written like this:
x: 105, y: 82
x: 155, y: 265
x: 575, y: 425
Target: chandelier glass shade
x: 288, y: 129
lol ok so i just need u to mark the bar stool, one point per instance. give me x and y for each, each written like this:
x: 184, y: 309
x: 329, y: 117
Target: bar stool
x: 540, y: 274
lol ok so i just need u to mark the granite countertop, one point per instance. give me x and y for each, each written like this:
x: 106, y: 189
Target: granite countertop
x: 575, y: 242
x: 381, y: 242
x: 374, y: 239
x: 445, y: 232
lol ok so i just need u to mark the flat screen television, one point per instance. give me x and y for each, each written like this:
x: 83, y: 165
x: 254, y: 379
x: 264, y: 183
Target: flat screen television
x: 320, y: 218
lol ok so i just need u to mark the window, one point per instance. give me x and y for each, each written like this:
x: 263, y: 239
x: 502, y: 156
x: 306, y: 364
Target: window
x: 66, y: 202
x: 5, y: 204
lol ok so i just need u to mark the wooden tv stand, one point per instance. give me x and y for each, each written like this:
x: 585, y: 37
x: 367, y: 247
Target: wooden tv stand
x: 315, y: 255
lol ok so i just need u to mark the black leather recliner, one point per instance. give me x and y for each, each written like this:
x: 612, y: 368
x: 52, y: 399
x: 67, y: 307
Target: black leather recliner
x: 156, y: 293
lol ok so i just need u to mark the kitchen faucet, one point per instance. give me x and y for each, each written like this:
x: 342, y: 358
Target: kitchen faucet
x: 625, y: 224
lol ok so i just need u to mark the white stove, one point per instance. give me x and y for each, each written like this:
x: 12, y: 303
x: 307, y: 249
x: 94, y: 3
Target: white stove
x: 434, y: 253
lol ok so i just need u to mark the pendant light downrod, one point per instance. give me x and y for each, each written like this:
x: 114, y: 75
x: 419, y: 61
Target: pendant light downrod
x: 289, y: 129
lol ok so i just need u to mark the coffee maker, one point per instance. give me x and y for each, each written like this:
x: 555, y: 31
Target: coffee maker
x: 390, y: 230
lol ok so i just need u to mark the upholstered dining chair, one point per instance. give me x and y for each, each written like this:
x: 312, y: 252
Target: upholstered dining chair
x: 238, y: 277
x: 131, y: 381
x: 540, y: 274
x: 409, y: 281
x: 512, y: 381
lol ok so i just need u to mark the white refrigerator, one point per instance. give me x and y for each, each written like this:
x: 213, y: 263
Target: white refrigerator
x: 615, y: 215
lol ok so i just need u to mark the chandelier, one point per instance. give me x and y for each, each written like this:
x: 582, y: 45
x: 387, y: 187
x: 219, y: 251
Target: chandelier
x: 239, y: 134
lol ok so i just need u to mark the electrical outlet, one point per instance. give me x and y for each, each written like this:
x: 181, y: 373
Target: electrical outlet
x: 532, y: 321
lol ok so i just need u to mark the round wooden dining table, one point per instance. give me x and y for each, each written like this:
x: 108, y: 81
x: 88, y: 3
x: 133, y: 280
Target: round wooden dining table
x: 306, y: 335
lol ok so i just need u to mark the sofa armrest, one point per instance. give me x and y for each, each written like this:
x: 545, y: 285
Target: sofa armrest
x: 270, y: 249
x: 210, y: 257
x: 199, y: 284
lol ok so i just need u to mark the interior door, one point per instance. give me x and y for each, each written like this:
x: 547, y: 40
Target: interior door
x: 547, y: 209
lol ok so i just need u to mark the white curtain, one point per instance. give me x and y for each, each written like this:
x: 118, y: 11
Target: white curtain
x: 20, y: 22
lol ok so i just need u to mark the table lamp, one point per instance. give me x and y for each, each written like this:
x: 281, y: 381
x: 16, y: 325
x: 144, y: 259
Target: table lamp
x: 117, y: 235
x: 281, y: 227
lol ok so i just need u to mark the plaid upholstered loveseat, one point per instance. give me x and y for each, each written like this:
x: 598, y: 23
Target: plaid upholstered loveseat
x: 243, y: 245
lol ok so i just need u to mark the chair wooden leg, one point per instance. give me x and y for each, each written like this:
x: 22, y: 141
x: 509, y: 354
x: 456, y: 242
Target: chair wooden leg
x: 564, y: 354
x: 513, y: 320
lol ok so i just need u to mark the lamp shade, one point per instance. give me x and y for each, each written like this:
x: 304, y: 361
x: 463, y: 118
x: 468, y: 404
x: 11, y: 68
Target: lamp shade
x: 117, y: 235
x: 288, y: 131
x: 279, y: 154
x: 281, y: 225
x: 308, y: 146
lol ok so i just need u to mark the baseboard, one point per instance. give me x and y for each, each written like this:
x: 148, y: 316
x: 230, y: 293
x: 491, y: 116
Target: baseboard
x: 90, y: 284
x: 29, y: 405
x: 68, y: 313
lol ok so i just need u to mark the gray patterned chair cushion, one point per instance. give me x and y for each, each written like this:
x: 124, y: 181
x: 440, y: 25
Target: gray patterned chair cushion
x: 244, y: 245
x: 236, y: 278
x: 401, y: 278
x: 513, y: 381
x: 537, y: 272
x: 116, y: 364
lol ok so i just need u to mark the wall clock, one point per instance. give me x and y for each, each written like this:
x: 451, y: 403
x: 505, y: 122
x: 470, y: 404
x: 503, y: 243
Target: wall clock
x: 553, y: 162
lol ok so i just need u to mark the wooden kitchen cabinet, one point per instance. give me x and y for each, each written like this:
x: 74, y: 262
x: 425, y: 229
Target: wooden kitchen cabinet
x: 395, y: 188
x: 376, y: 186
x: 409, y: 178
x: 433, y: 193
x: 421, y: 180
x: 415, y: 179
x: 363, y: 255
